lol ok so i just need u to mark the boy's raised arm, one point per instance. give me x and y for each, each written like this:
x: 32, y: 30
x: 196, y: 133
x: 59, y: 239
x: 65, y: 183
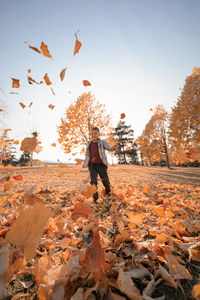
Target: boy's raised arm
x: 108, y: 147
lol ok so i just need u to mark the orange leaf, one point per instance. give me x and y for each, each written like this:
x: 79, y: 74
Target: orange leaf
x: 29, y: 70
x: 81, y: 210
x: 28, y: 144
x: 196, y: 291
x: 78, y: 44
x: 53, y: 145
x: 18, y: 177
x: 26, y: 230
x: 47, y: 80
x: 86, y: 83
x: 62, y: 74
x: 122, y: 116
x: 127, y: 286
x: 22, y: 105
x: 52, y: 91
x: 44, y: 49
x: 97, y: 258
x: 51, y: 106
x: 16, y: 142
x: 15, y: 83
x: 35, y: 49
x: 31, y: 80
x: 30, y: 104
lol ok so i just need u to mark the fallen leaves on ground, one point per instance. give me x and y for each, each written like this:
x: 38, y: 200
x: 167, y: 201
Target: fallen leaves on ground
x: 135, y: 244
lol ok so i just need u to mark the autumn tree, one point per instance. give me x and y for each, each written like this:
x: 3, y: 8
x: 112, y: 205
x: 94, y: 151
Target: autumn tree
x: 184, y: 127
x: 80, y: 117
x: 7, y: 149
x: 124, y: 136
x: 154, y: 140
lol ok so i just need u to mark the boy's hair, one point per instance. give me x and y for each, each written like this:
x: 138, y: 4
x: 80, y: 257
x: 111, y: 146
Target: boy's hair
x: 96, y: 129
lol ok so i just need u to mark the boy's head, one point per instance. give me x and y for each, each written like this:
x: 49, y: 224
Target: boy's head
x: 95, y: 134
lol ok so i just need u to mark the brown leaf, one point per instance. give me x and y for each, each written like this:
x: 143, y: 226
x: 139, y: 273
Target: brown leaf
x: 86, y: 83
x: 30, y: 104
x: 52, y: 91
x: 29, y: 70
x: 28, y: 144
x: 127, y: 286
x: 35, y: 49
x: 122, y: 116
x: 81, y: 210
x: 196, y: 292
x: 3, y: 268
x: 26, y: 230
x: 62, y: 74
x: 15, y: 83
x: 78, y: 44
x: 177, y: 270
x: 47, y: 80
x: 22, y: 105
x: 31, y: 80
x: 44, y: 49
x: 51, y: 106
x: 18, y: 177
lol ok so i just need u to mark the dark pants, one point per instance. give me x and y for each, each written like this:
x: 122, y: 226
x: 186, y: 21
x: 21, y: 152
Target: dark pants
x: 100, y: 169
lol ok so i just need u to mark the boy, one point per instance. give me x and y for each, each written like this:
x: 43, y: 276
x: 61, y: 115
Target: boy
x: 96, y: 160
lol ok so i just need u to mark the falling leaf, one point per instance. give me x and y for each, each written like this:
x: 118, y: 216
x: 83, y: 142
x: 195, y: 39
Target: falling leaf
x: 44, y: 49
x: 29, y: 70
x: 28, y: 144
x: 34, y: 48
x: 51, y: 106
x: 13, y: 93
x: 86, y: 83
x: 122, y: 116
x: 53, y: 145
x: 62, y: 74
x: 151, y: 109
x: 18, y: 177
x: 22, y: 105
x: 3, y: 268
x: 31, y: 80
x: 47, y: 80
x: 52, y: 91
x: 78, y: 44
x: 26, y: 230
x: 30, y: 104
x: 15, y: 83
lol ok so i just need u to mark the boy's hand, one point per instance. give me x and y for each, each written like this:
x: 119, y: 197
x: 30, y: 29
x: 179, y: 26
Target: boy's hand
x: 115, y: 147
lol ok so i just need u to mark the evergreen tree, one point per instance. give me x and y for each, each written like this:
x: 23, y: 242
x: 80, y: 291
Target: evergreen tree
x: 25, y: 158
x: 127, y: 149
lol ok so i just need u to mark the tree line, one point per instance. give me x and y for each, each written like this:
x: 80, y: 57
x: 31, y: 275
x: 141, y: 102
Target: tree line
x: 167, y: 139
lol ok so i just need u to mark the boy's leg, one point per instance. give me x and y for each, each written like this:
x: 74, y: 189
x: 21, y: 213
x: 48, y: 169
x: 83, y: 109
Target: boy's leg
x: 104, y: 177
x: 93, y: 179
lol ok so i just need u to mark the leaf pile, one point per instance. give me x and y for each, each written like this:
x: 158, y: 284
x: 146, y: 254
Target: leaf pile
x: 141, y: 242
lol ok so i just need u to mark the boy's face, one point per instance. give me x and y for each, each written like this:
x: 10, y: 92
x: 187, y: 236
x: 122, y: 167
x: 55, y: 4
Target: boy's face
x: 95, y: 135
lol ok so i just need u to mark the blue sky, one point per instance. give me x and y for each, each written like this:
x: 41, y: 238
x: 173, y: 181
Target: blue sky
x: 136, y: 54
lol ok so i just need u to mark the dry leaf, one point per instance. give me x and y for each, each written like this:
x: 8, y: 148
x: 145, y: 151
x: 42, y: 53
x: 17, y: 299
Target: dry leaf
x: 51, y: 106
x: 15, y: 83
x: 22, y: 105
x: 30, y: 104
x: 78, y: 44
x: 62, y: 74
x: 26, y: 230
x: 196, y: 292
x: 8, y: 186
x: 127, y: 286
x: 29, y: 144
x: 3, y: 268
x: 29, y: 70
x: 81, y: 210
x: 47, y: 80
x: 122, y: 116
x: 86, y: 83
x: 18, y: 177
x: 53, y: 145
x: 44, y: 49
x: 52, y: 91
x: 35, y: 49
